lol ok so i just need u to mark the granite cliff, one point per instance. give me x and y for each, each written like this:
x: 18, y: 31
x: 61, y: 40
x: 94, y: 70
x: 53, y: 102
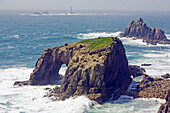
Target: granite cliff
x: 96, y: 68
x: 139, y: 30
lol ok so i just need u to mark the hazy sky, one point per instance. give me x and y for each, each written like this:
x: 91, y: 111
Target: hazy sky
x: 149, y: 5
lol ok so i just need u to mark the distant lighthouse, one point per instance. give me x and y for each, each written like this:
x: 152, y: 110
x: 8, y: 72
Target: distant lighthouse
x: 71, y: 10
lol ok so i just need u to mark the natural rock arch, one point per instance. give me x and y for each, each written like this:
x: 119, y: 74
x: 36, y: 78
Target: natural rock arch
x: 95, y: 68
x: 48, y: 65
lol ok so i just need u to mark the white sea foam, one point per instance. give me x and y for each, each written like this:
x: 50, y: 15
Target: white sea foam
x: 158, y: 55
x: 13, y: 36
x: 63, y: 69
x: 96, y: 35
x: 10, y: 47
x: 30, y: 98
x: 126, y: 104
x: 168, y: 36
x: 21, y: 73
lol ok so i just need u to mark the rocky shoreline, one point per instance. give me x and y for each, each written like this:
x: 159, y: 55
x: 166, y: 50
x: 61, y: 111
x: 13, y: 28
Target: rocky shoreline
x: 139, y: 30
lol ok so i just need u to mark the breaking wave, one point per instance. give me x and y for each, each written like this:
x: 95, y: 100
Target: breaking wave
x: 97, y: 34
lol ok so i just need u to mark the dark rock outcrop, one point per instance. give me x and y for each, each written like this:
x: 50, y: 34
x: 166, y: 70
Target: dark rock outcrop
x: 146, y: 64
x: 165, y: 108
x: 140, y: 30
x: 136, y: 71
x: 167, y: 75
x: 96, y: 73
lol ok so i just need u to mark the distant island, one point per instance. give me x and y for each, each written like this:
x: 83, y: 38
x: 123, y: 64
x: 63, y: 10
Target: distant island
x: 39, y: 13
x: 139, y: 30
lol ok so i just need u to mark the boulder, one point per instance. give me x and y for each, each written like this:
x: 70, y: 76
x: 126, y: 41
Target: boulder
x: 146, y: 64
x: 167, y: 75
x: 140, y: 30
x: 95, y: 68
x: 136, y: 71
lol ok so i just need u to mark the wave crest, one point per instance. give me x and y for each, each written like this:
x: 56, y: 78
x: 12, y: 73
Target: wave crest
x: 97, y: 34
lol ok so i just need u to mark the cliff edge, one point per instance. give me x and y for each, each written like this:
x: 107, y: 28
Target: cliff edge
x: 96, y: 68
x: 140, y: 30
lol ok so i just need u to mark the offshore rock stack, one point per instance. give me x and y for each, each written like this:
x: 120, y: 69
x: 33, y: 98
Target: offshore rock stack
x: 139, y: 30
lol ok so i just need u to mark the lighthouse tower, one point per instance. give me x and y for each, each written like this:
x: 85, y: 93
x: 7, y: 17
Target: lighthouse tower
x: 71, y: 10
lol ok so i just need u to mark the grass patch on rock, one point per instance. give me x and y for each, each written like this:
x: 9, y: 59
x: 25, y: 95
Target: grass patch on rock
x: 97, y: 43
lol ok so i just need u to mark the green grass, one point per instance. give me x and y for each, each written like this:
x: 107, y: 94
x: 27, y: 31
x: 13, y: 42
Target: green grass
x: 99, y: 43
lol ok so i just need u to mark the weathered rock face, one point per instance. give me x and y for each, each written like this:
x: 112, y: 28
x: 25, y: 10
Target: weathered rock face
x: 151, y: 88
x: 165, y: 108
x: 140, y: 30
x: 96, y: 73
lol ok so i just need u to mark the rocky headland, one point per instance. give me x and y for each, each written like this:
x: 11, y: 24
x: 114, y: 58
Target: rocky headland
x: 139, y: 30
x: 96, y: 68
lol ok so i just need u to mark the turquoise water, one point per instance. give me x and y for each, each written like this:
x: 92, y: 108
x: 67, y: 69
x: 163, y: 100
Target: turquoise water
x: 24, y: 38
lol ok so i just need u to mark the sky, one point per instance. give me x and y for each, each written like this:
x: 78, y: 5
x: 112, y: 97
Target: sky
x: 134, y: 5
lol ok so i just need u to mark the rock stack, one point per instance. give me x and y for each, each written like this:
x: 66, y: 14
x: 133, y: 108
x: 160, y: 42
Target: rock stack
x: 139, y: 30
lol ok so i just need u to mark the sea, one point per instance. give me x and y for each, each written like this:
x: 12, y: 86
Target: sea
x: 23, y: 38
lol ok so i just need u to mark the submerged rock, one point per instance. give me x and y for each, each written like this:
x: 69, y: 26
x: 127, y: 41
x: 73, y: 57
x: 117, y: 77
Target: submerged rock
x: 140, y: 30
x: 95, y: 68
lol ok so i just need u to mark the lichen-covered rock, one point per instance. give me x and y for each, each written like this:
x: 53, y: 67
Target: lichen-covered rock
x: 165, y: 108
x: 151, y: 88
x: 95, y: 68
x: 140, y: 30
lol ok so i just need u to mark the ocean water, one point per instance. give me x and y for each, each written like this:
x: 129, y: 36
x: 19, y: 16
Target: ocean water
x: 24, y: 38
